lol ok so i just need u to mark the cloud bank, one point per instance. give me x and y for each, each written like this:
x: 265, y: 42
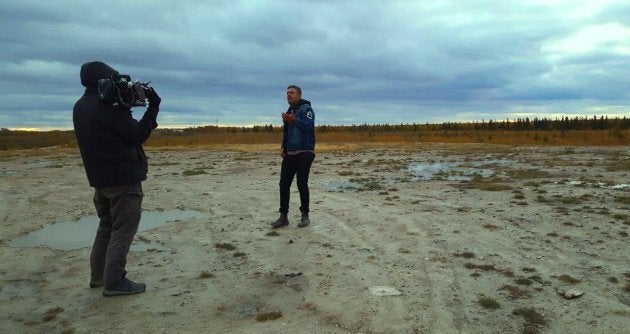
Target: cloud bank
x: 229, y: 62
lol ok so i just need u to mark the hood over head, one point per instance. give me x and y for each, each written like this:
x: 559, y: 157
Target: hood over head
x: 93, y: 71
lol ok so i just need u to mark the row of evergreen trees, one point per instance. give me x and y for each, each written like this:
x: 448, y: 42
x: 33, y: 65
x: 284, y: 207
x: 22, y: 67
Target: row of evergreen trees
x: 525, y: 124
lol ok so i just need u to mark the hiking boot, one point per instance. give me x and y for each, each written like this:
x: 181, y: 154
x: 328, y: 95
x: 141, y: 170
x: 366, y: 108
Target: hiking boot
x: 96, y: 283
x: 124, y: 287
x: 283, y: 220
x: 304, y: 221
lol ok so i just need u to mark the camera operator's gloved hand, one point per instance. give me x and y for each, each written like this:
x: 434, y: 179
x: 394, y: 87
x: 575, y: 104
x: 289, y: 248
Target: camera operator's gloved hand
x: 154, y: 99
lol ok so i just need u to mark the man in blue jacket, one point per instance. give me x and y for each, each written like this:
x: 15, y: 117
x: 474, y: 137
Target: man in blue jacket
x: 298, y: 152
x: 110, y: 141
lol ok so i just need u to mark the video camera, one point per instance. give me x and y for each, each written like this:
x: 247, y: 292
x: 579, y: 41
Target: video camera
x: 120, y: 90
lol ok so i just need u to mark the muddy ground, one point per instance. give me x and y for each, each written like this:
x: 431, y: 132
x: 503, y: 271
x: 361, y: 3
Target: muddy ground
x: 426, y: 238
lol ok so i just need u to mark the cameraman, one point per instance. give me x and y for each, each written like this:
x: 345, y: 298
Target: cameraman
x: 110, y: 141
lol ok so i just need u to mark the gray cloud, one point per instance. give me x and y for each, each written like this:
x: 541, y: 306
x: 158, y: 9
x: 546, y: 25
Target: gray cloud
x: 357, y: 61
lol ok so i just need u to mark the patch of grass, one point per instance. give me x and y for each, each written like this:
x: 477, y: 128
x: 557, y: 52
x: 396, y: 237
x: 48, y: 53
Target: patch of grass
x: 272, y: 234
x: 466, y: 255
x: 307, y: 307
x: 529, y: 270
x: 239, y: 254
x: 346, y: 173
x: 531, y: 316
x: 165, y: 163
x: 367, y: 184
x: 489, y: 303
x: 514, y: 292
x: 530, y: 329
x: 620, y: 216
x: 567, y: 279
x: 613, y: 279
x: 206, y: 274
x: 192, y: 172
x: 477, y: 182
x: 269, y: 316
x: 523, y: 281
x: 226, y: 246
x: 541, y: 199
x: 569, y: 200
x: 506, y: 272
x: 484, y: 267
x: 491, y: 226
x: 244, y: 158
x: 52, y: 313
x: 372, y: 185
x: 618, y: 165
x: 527, y: 174
x: 623, y: 199
x: 562, y: 210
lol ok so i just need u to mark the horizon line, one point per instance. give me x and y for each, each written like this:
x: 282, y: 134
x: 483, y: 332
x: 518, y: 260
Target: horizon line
x: 191, y: 126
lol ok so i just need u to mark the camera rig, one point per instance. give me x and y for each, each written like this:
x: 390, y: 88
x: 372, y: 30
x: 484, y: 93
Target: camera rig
x: 120, y: 90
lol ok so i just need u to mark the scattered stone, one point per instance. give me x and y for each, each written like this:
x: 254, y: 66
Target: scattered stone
x: 570, y: 294
x: 299, y: 273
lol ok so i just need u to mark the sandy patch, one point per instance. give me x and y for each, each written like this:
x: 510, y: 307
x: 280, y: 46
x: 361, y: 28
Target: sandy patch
x: 486, y: 243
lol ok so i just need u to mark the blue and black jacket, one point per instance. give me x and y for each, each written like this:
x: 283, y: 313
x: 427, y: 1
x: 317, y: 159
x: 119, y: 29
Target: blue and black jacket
x: 300, y: 135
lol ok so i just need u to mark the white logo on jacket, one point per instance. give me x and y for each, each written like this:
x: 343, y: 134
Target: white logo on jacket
x: 309, y: 114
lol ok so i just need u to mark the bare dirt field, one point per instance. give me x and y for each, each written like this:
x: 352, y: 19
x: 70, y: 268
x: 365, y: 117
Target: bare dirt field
x: 424, y: 238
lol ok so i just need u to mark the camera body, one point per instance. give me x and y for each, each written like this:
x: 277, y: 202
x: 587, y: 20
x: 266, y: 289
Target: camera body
x: 120, y: 90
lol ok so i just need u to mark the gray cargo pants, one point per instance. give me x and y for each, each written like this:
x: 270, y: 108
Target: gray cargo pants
x: 119, y: 209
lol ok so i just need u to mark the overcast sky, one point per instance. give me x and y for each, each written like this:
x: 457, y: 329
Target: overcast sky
x: 229, y: 62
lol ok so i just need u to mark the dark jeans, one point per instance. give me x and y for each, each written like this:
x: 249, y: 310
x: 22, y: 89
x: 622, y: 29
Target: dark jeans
x: 119, y: 209
x: 299, y: 164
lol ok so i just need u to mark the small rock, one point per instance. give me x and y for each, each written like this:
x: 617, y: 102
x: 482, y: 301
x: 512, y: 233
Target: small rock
x: 570, y: 294
x: 290, y: 241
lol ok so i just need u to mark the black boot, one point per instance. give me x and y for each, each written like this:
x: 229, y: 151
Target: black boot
x: 304, y: 221
x: 283, y: 220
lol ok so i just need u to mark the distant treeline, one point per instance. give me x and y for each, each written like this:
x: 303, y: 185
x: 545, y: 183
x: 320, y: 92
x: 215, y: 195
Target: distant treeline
x: 525, y: 124
x: 564, y: 131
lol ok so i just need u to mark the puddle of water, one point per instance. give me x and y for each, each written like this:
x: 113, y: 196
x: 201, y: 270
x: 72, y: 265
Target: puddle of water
x: 426, y: 171
x: 454, y: 171
x: 79, y: 234
x: 38, y: 164
x: 4, y: 173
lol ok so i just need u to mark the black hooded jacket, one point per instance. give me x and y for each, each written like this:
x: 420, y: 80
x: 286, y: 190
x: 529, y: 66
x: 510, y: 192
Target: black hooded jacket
x: 109, y: 138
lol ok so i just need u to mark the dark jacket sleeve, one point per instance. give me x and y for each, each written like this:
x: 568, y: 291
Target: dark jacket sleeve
x: 131, y: 130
